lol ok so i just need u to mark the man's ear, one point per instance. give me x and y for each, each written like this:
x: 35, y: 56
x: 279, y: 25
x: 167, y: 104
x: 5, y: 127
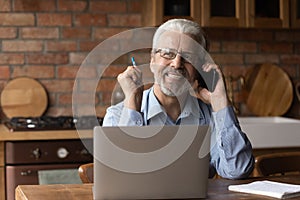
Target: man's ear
x: 152, y: 63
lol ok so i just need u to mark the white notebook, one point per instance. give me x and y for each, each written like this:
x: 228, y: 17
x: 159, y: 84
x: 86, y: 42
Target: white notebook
x: 268, y: 188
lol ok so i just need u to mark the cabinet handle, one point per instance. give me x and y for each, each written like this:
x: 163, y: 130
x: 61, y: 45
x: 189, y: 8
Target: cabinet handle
x: 26, y: 173
x: 36, y: 153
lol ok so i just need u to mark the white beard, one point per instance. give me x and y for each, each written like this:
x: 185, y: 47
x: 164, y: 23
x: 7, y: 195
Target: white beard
x: 182, y: 86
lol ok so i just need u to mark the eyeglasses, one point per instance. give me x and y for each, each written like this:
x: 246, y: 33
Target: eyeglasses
x: 170, y: 54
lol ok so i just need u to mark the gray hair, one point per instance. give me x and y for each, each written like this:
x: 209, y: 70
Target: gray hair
x: 184, y: 26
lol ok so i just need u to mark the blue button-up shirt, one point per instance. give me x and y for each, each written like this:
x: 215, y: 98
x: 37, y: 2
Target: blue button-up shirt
x: 231, y: 151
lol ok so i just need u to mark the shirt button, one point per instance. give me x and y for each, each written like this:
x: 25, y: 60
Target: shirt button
x: 139, y: 122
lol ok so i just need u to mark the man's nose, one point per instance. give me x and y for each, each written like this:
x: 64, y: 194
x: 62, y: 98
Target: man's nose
x: 177, y: 62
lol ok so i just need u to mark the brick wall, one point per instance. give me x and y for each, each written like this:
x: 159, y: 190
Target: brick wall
x: 48, y: 40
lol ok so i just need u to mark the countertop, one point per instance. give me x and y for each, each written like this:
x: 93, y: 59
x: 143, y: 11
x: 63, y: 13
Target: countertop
x: 217, y: 189
x: 7, y: 135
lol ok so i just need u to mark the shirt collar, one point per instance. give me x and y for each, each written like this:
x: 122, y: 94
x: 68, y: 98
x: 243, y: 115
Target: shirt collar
x: 155, y: 107
x: 191, y: 107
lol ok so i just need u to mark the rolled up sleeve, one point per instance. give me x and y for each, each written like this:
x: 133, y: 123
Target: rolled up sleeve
x: 121, y: 116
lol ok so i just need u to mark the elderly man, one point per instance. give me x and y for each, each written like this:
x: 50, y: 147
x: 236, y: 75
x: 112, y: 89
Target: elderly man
x: 180, y: 96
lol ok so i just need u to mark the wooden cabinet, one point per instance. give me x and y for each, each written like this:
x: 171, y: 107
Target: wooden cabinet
x: 2, y: 176
x: 230, y: 13
x: 267, y: 13
x: 295, y: 13
x: 225, y: 13
x: 157, y: 11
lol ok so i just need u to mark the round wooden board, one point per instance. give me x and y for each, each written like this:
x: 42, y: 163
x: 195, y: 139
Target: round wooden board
x: 23, y: 97
x: 270, y: 90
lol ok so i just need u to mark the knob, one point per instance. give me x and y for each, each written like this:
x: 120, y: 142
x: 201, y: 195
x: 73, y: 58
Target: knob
x: 84, y: 152
x: 62, y: 152
x: 25, y: 173
x: 36, y: 153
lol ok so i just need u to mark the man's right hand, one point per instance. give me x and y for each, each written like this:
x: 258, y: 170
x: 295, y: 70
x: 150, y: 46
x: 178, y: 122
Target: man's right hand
x: 132, y: 85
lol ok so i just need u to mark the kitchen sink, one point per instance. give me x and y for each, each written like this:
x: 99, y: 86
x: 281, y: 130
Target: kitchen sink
x: 271, y: 132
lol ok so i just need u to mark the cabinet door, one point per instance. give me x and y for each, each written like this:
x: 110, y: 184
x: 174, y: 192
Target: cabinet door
x: 156, y: 12
x: 295, y: 13
x: 267, y: 13
x: 2, y: 176
x: 2, y: 184
x: 225, y: 13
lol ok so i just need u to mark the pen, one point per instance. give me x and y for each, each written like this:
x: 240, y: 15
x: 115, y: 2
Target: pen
x: 133, y: 62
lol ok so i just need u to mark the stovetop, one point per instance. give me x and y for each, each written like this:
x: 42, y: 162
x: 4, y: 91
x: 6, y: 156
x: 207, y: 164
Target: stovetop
x: 52, y: 123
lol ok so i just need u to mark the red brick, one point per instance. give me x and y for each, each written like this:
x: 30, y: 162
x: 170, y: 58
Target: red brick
x: 88, y: 45
x: 234, y: 70
x: 54, y: 19
x: 60, y: 111
x: 77, y: 58
x: 261, y: 58
x: 71, y: 5
x: 89, y: 19
x: 5, y: 5
x: 4, y: 72
x: 67, y: 71
x: 290, y: 36
x: 61, y: 46
x: 108, y: 6
x: 64, y: 99
x: 124, y: 20
x: 290, y: 59
x: 255, y: 35
x: 279, y: 47
x: 16, y: 19
x: 85, y: 71
x: 58, y: 85
x: 87, y: 85
x: 225, y: 59
x: 39, y: 33
x: 52, y: 99
x: 238, y: 47
x: 34, y: 5
x: 76, y: 33
x: 214, y: 47
x: 47, y: 58
x: 8, y: 33
x: 34, y: 71
x: 291, y: 70
x: 72, y: 72
x: 106, y: 85
x: 83, y: 98
x: 19, y: 46
x: 216, y: 34
x: 135, y: 6
x: 104, y: 33
x: 85, y: 110
x: 12, y: 58
x: 113, y: 71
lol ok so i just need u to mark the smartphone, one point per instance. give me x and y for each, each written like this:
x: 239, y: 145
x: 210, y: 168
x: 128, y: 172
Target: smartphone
x: 208, y: 80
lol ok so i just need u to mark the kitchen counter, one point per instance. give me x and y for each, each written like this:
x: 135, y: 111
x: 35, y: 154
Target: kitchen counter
x: 54, y: 135
x: 6, y: 135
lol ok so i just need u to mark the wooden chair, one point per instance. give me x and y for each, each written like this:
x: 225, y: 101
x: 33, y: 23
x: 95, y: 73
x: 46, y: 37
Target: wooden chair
x: 277, y: 164
x: 86, y: 173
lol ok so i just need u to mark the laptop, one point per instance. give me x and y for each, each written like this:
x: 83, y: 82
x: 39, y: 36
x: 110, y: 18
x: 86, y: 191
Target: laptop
x: 151, y: 162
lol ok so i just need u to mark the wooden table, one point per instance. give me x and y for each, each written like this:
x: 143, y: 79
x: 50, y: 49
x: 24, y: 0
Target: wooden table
x: 217, y: 189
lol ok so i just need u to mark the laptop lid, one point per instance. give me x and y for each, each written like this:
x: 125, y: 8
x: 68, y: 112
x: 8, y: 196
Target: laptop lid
x: 151, y: 162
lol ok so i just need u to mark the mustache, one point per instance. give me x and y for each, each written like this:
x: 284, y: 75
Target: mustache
x: 180, y: 71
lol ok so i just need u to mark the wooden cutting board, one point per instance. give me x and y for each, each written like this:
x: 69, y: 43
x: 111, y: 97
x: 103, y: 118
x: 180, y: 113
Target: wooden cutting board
x: 270, y: 90
x: 23, y: 97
